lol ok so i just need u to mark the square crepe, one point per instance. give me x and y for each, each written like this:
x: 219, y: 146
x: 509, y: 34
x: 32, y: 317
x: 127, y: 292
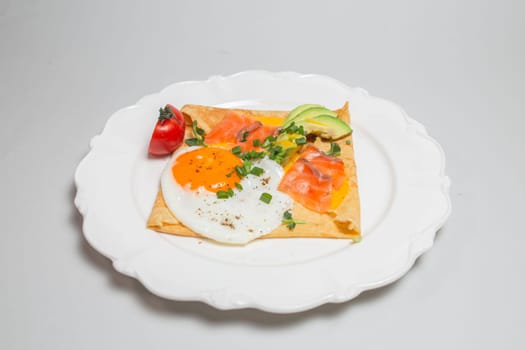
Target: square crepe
x: 342, y: 222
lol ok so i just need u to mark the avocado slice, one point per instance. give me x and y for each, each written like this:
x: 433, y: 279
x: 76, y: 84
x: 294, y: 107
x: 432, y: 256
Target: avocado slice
x: 326, y: 127
x: 309, y: 113
x: 296, y: 111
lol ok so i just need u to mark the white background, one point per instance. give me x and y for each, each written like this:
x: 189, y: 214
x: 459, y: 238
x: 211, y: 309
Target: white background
x: 455, y: 66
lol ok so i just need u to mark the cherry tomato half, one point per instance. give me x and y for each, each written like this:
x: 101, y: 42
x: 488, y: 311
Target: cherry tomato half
x: 168, y: 133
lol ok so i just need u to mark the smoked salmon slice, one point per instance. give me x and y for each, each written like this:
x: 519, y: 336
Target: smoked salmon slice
x: 326, y: 164
x: 312, y: 179
x: 306, y: 185
x: 240, y: 130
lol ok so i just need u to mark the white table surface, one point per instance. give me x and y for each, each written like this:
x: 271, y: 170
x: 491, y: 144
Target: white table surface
x: 455, y: 66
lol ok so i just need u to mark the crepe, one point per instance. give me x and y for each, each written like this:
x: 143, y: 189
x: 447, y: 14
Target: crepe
x: 343, y: 222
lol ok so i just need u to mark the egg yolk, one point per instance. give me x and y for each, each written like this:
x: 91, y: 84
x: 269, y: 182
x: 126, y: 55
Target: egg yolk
x: 339, y: 195
x: 209, y: 167
x: 269, y: 120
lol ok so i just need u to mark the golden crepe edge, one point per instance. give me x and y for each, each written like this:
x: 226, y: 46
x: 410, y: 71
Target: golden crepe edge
x: 343, y: 222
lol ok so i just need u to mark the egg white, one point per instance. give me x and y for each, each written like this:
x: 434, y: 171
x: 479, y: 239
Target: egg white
x: 235, y: 220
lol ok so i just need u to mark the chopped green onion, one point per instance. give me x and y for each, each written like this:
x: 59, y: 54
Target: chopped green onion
x: 269, y: 141
x: 293, y: 129
x: 335, y: 149
x: 222, y: 194
x: 276, y: 153
x: 198, y: 140
x: 253, y: 155
x: 238, y: 186
x: 257, y: 171
x: 225, y: 194
x: 265, y: 197
x: 291, y: 223
x: 237, y: 150
x: 256, y: 143
x: 241, y: 171
x: 193, y: 142
x: 300, y: 140
x: 196, y: 130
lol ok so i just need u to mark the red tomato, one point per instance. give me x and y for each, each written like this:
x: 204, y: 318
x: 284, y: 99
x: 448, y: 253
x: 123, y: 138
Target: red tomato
x: 168, y: 133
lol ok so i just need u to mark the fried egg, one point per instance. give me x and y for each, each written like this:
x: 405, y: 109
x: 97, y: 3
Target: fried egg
x: 193, y: 177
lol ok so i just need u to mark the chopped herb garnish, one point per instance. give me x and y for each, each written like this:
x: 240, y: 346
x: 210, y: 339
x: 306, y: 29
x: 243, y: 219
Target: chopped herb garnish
x: 238, y: 186
x: 256, y: 143
x: 265, y: 197
x: 276, y: 153
x: 225, y: 194
x: 335, y: 149
x: 237, y: 150
x: 269, y: 141
x: 348, y: 142
x: 257, y: 171
x: 193, y: 142
x: 196, y: 130
x: 288, y: 219
x: 222, y: 194
x: 241, y: 170
x: 199, y: 133
x: 292, y: 129
x: 230, y: 173
x: 253, y: 155
x: 300, y: 140
x: 245, y: 169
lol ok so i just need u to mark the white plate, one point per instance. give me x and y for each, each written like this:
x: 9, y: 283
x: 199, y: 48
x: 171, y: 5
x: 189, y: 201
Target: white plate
x: 403, y: 187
